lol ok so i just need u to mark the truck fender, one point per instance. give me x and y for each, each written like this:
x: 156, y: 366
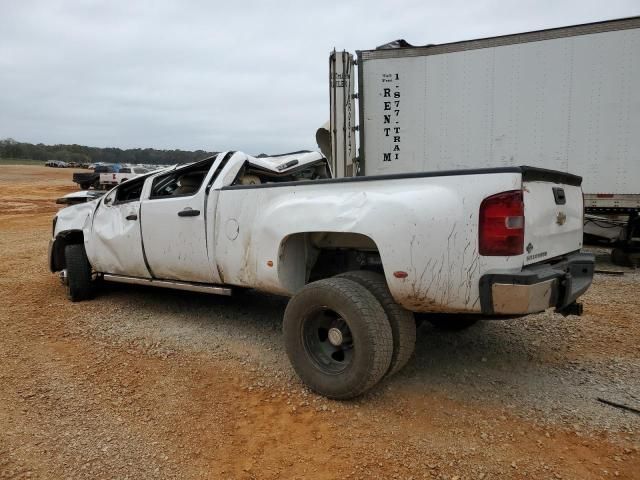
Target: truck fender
x: 57, y: 260
x: 309, y: 256
x: 71, y: 225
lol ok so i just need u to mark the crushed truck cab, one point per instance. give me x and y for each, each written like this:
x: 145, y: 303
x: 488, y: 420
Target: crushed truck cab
x: 357, y: 255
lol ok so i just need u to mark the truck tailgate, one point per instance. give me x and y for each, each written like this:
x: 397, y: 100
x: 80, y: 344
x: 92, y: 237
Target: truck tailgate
x: 553, y: 214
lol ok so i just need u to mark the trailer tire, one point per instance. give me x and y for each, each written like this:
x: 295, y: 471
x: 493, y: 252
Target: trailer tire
x: 403, y: 325
x: 85, y: 186
x: 337, y: 337
x: 621, y: 258
x: 79, y: 283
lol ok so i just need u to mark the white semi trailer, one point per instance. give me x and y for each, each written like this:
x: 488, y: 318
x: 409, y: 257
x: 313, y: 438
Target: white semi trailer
x: 564, y: 99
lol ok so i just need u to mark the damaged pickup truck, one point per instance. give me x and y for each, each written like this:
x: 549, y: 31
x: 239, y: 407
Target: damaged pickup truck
x: 356, y: 255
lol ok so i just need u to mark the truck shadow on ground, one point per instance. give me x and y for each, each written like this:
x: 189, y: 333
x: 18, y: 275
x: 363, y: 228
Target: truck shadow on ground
x: 255, y: 312
x: 488, y: 353
x: 527, y: 365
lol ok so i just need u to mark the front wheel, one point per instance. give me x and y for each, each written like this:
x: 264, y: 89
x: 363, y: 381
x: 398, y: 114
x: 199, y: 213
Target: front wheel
x: 78, y: 279
x: 337, y: 337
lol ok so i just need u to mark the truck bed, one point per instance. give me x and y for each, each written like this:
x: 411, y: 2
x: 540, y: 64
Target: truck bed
x: 425, y: 224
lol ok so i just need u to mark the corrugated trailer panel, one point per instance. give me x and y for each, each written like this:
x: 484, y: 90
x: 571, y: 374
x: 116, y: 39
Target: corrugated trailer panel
x: 605, y: 112
x: 569, y: 102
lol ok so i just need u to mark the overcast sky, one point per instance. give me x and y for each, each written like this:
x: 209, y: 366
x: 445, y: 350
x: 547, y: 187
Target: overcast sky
x: 210, y: 75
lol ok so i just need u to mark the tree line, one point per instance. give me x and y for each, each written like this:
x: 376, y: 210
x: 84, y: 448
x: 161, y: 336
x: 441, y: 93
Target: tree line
x: 10, y: 148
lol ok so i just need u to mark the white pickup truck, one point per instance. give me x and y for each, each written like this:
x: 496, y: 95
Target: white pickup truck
x: 108, y: 180
x: 356, y: 255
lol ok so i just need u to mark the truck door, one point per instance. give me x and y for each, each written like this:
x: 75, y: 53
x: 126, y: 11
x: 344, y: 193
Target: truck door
x: 115, y: 245
x: 174, y: 224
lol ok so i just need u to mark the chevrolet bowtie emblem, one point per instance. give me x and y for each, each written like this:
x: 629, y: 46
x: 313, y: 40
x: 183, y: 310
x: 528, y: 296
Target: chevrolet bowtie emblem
x: 561, y: 218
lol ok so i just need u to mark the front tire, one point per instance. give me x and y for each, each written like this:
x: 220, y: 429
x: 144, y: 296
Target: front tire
x: 403, y: 325
x: 337, y: 337
x: 79, y: 283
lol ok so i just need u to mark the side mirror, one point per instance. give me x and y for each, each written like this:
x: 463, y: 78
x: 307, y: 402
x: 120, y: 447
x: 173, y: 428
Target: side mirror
x: 107, y: 200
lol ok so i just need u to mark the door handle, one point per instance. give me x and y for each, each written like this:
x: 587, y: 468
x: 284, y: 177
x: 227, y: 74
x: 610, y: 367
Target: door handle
x: 132, y: 216
x: 188, y: 212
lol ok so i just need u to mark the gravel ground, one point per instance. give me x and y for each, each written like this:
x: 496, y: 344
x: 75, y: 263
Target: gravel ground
x: 535, y: 365
x: 545, y: 367
x: 145, y: 383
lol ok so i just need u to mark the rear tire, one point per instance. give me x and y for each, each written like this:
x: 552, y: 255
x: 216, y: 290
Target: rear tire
x: 79, y: 282
x: 337, y: 337
x: 403, y: 325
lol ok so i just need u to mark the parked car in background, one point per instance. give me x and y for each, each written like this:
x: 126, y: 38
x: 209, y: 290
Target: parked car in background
x: 92, y: 179
x: 80, y: 197
x: 108, y: 180
x: 55, y: 164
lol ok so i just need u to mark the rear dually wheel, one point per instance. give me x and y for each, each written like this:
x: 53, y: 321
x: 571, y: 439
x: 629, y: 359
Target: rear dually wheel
x: 337, y: 337
x: 403, y: 325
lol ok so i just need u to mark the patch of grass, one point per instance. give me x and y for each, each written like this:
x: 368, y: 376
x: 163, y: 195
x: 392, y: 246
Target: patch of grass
x: 21, y: 161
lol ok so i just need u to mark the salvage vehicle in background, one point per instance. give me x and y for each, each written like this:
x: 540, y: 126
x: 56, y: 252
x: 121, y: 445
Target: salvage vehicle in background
x: 79, y: 197
x: 108, y: 180
x: 88, y: 180
x: 55, y: 164
x: 356, y: 255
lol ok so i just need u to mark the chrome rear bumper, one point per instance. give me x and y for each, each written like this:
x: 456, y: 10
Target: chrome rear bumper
x: 538, y: 287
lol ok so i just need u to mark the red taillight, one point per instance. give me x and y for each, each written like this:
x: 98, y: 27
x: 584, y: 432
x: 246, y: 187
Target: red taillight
x: 502, y: 224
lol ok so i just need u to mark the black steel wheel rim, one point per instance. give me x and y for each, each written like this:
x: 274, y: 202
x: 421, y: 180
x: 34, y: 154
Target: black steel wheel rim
x: 328, y: 340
